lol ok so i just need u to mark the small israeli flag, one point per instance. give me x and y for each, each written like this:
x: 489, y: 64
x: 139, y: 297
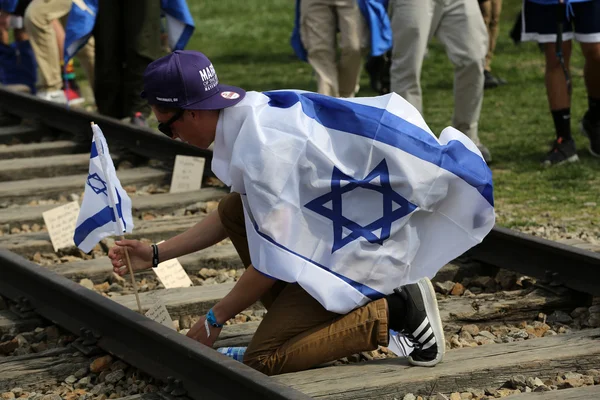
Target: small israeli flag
x: 106, y: 207
x: 180, y: 24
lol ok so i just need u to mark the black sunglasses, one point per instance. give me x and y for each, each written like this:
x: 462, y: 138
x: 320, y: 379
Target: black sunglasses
x: 165, y: 127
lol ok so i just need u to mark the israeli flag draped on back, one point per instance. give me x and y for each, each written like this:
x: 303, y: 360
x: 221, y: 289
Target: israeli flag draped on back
x: 106, y: 207
x: 351, y: 198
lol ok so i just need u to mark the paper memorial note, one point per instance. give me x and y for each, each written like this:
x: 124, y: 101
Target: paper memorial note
x: 172, y: 274
x: 187, y: 174
x: 60, y: 222
x: 159, y: 313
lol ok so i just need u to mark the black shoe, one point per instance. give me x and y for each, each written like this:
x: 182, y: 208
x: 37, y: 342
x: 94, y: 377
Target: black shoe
x: 591, y: 129
x: 489, y: 80
x: 487, y: 155
x: 562, y: 151
x: 138, y: 119
x: 421, y: 323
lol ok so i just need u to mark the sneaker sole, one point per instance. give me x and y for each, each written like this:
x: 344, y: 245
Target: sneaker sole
x: 572, y: 159
x: 433, y: 315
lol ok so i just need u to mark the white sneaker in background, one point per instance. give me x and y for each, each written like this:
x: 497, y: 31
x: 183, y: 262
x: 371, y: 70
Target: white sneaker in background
x: 56, y: 96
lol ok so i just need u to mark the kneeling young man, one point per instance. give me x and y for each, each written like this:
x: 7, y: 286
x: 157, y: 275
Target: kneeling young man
x: 340, y: 209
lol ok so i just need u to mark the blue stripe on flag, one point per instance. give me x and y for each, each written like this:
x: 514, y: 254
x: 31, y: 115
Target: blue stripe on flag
x: 94, y: 222
x: 383, y: 126
x: 364, y: 289
x: 94, y: 152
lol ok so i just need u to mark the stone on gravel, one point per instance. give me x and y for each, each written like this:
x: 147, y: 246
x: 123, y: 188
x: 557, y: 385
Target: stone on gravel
x: 80, y: 373
x: 115, y: 376
x: 506, y: 279
x: 52, y: 396
x: 87, y: 283
x: 488, y: 335
x: 560, y: 317
x: 70, y: 379
x: 8, y: 395
x: 409, y: 396
x: 457, y: 290
x: 534, y: 382
x: 9, y: 346
x: 472, y: 329
x: 100, y: 364
x: 444, y: 287
x: 542, y: 388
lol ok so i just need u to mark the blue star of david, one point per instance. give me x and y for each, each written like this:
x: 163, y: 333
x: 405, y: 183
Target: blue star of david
x: 97, y: 184
x: 356, y: 230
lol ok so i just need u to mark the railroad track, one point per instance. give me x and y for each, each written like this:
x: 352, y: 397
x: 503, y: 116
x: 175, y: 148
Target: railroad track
x: 515, y: 305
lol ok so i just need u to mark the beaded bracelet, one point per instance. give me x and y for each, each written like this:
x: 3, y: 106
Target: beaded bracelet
x: 154, y: 256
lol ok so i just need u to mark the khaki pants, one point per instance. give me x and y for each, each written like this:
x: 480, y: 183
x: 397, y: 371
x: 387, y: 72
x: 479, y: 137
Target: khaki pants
x: 297, y: 333
x: 491, y: 10
x: 38, y: 24
x: 319, y: 22
x: 458, y: 24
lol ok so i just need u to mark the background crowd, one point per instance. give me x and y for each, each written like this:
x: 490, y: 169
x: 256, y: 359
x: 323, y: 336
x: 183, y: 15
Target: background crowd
x: 114, y: 41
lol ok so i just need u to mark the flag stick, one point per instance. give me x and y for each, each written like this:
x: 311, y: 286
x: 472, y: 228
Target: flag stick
x: 135, y: 290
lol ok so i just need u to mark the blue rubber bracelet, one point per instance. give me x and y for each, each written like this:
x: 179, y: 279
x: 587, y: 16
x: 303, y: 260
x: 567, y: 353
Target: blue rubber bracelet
x: 210, y: 317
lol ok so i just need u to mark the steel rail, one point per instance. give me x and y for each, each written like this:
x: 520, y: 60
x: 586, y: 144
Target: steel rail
x: 145, y: 344
x: 575, y: 268
x: 142, y: 141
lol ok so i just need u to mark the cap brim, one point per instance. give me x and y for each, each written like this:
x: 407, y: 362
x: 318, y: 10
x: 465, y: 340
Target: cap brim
x: 227, y: 96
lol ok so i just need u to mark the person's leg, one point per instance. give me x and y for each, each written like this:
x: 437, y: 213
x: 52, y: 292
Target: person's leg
x: 493, y: 30
x: 540, y: 23
x: 40, y: 19
x: 353, y: 45
x: 108, y: 71
x: 4, y: 25
x: 318, y: 31
x: 556, y: 88
x: 142, y: 46
x: 464, y: 35
x: 486, y: 13
x: 297, y: 333
x: 587, y: 31
x: 411, y: 22
x: 87, y: 57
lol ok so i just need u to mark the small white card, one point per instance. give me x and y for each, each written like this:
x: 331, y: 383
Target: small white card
x: 159, y: 313
x: 172, y: 274
x: 187, y: 174
x: 60, y: 222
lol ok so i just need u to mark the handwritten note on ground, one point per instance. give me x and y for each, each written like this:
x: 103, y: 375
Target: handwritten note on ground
x: 187, y: 174
x: 60, y: 222
x: 159, y: 313
x: 172, y: 274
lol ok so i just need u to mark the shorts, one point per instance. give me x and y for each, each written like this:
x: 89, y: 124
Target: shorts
x: 540, y: 22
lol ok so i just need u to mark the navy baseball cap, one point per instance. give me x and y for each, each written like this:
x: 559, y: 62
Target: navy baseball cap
x: 186, y: 79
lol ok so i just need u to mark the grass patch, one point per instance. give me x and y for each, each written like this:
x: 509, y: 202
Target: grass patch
x: 248, y: 43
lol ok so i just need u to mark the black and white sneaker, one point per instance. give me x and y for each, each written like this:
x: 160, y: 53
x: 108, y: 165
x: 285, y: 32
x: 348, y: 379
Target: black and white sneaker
x: 421, y: 323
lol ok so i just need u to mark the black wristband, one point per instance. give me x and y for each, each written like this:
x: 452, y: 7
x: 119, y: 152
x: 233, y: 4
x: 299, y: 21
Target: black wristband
x: 154, y: 256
